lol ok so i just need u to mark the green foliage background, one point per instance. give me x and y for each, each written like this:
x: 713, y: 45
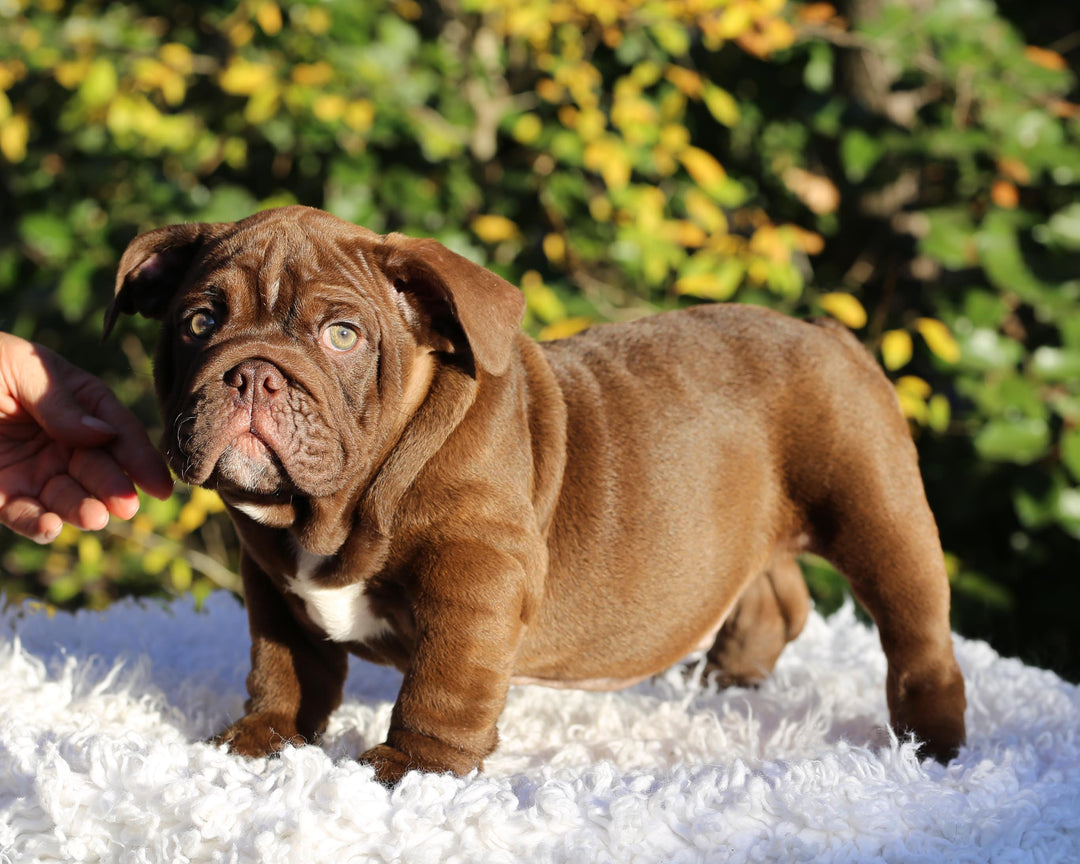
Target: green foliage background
x: 909, y: 167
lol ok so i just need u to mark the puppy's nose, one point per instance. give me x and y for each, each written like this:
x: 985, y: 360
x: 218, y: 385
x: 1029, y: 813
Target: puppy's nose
x: 256, y: 380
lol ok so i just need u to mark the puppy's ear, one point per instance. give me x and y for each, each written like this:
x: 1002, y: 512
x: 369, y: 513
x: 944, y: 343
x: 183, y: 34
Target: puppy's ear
x: 153, y: 267
x: 455, y: 296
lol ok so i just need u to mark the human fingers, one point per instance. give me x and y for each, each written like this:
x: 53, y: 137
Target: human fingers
x: 42, y: 384
x: 132, y: 449
x: 100, y: 475
x: 27, y: 516
x: 65, y: 497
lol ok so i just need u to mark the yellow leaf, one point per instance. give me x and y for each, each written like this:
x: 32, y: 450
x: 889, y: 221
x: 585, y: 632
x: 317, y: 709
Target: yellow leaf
x: 703, y: 168
x: 177, y: 56
x: 939, y: 339
x: 549, y: 90
x: 541, y: 300
x: 312, y: 74
x: 1004, y: 194
x: 705, y: 212
x: 494, y: 229
x: 896, y: 349
x: 11, y: 72
x: 608, y: 157
x: 14, y: 135
x: 181, y: 574
x: 240, y: 33
x: 914, y: 385
x: 815, y: 191
x: 243, y: 77
x: 316, y: 20
x: 809, y: 242
x: 527, y: 128
x: 735, y: 20
x: 564, y: 328
x: 100, y: 83
x: 262, y: 105
x: 90, y: 551
x: 674, y: 137
x: 210, y: 501
x: 686, y: 80
x: 555, y: 248
x: 721, y: 105
x: 71, y: 73
x: 816, y: 13
x: 329, y: 108
x: 913, y: 407
x: 718, y: 284
x: 360, y: 115
x: 768, y: 242
x: 684, y: 233
x: 190, y: 517
x: 845, y: 308
x: 1045, y: 58
x: 939, y: 412
x: 269, y: 17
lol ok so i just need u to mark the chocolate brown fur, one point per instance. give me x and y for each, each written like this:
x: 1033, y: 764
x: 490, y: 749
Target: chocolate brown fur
x: 583, y: 512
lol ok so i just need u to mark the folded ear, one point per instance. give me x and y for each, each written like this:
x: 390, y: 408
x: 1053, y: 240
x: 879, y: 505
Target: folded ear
x: 153, y: 268
x: 453, y: 294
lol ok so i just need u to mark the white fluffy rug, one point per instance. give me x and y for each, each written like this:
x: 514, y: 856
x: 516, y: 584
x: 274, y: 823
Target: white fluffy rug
x: 102, y: 718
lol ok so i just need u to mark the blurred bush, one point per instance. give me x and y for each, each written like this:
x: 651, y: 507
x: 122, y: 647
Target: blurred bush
x: 910, y: 168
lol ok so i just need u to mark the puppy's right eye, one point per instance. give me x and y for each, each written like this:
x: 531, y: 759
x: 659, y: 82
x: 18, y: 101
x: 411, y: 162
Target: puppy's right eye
x: 201, y: 324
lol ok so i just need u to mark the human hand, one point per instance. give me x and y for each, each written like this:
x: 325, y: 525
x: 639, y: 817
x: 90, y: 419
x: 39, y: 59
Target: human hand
x: 69, y: 451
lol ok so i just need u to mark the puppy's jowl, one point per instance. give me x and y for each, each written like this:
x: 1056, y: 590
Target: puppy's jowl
x: 416, y: 482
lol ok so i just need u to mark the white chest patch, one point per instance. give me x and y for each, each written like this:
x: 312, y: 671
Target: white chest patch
x: 343, y: 614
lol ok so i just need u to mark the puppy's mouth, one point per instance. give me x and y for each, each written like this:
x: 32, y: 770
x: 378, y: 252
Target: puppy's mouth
x: 238, y: 453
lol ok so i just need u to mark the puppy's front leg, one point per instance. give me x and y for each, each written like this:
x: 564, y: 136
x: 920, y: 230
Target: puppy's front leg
x: 469, y: 621
x: 295, y: 682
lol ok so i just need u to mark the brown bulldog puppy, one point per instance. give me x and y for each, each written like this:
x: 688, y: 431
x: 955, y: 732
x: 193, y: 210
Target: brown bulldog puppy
x: 416, y: 482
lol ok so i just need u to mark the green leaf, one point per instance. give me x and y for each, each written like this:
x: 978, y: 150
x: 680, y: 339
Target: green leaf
x: 1055, y: 365
x: 860, y: 153
x: 1020, y: 441
x: 1003, y: 260
x: 984, y: 349
x: 950, y: 237
x: 100, y: 84
x: 47, y: 236
x: 1070, y: 452
x: 1063, y: 229
x: 984, y: 309
x: 818, y: 73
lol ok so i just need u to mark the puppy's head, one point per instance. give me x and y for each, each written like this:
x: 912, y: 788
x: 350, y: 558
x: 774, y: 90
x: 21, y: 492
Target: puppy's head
x: 292, y: 343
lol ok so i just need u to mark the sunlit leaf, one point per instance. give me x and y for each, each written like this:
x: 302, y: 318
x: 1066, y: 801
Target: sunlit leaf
x: 721, y: 104
x: 564, y: 328
x: 845, y: 308
x: 494, y: 229
x: 896, y: 349
x: 939, y: 339
x: 1020, y: 440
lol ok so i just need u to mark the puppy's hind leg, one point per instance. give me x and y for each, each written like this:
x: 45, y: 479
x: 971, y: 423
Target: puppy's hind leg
x: 769, y: 613
x: 879, y: 532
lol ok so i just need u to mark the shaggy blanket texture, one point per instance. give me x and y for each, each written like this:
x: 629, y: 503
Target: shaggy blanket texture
x: 104, y: 714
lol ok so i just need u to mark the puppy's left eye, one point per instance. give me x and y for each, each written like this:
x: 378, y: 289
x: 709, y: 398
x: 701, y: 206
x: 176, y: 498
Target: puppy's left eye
x: 340, y: 337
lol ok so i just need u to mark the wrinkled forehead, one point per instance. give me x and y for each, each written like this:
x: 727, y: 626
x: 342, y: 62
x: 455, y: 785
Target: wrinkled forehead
x: 273, y: 256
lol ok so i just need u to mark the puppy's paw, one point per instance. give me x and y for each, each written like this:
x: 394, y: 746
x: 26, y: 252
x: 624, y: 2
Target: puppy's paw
x: 260, y: 735
x: 390, y: 765
x: 391, y: 762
